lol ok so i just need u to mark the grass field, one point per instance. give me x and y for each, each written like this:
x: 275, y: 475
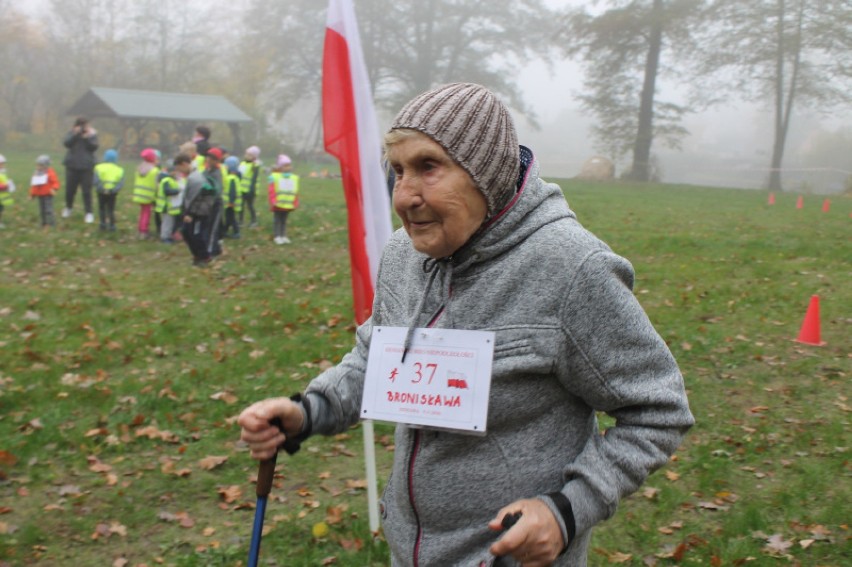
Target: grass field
x: 122, y: 369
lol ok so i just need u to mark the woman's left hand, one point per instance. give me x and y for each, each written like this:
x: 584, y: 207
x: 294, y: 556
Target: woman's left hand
x: 535, y: 540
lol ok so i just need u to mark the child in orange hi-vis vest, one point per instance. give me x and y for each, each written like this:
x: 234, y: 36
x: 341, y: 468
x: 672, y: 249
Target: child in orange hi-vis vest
x: 43, y: 186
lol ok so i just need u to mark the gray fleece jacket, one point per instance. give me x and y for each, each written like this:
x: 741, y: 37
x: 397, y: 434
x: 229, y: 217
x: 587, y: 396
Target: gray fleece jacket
x: 571, y: 339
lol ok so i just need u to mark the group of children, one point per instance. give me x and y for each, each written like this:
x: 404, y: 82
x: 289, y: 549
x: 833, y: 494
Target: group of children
x: 159, y: 190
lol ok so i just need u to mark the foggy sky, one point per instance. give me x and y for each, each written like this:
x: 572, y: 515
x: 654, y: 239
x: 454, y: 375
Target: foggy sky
x: 737, y: 135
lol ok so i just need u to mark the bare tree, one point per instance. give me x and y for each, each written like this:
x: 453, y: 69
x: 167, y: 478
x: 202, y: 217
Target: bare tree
x: 410, y: 46
x: 624, y: 50
x: 788, y: 53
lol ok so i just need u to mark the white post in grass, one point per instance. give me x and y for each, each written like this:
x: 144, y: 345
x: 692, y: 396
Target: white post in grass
x: 370, y: 464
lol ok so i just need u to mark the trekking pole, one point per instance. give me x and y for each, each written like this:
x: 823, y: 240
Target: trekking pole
x: 265, y: 474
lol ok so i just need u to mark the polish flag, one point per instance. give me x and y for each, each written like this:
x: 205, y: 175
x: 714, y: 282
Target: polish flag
x: 351, y: 134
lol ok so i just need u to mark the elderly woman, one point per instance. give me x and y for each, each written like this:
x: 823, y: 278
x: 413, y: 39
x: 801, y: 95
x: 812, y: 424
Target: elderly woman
x: 488, y: 245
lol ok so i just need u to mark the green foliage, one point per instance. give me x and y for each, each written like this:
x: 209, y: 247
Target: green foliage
x: 123, y: 369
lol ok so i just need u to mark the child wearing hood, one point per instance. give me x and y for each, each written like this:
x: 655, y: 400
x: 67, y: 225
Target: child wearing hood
x: 145, y: 189
x: 109, y: 179
x: 43, y: 186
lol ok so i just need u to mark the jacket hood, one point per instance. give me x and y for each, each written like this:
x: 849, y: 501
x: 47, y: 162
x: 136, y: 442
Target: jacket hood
x: 536, y: 204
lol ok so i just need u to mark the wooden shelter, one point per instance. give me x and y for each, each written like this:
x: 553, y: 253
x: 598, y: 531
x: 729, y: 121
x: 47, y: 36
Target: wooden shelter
x: 135, y: 110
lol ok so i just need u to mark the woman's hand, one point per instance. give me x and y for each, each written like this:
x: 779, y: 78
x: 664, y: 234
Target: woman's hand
x: 260, y: 435
x: 535, y: 540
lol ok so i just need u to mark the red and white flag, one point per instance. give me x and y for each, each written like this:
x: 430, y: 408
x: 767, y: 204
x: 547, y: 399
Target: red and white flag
x: 351, y: 134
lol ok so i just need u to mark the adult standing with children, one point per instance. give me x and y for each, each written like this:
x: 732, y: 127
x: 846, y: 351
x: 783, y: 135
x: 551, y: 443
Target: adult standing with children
x: 81, y: 142
x: 202, y: 207
x: 488, y: 246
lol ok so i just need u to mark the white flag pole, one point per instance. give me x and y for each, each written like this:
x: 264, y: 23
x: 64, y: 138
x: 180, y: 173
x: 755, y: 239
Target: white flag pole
x: 372, y: 482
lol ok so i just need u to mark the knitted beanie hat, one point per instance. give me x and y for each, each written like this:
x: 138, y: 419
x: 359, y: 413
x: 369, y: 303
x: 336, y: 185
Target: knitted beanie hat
x: 476, y: 131
x: 232, y: 163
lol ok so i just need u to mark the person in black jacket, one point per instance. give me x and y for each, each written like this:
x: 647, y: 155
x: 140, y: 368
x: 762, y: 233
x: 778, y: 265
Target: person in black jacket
x: 81, y: 141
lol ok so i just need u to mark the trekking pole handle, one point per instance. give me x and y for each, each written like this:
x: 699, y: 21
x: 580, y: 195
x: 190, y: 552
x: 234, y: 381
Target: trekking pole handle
x: 266, y: 470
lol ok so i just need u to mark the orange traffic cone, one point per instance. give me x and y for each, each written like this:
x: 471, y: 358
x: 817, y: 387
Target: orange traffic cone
x: 809, y: 334
x: 800, y: 202
x: 826, y: 205
x: 771, y: 198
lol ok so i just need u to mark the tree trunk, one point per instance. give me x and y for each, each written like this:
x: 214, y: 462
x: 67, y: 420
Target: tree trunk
x: 641, y: 170
x: 784, y: 106
x: 778, y: 143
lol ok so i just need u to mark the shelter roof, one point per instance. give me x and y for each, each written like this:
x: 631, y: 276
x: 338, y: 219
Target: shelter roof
x: 153, y: 105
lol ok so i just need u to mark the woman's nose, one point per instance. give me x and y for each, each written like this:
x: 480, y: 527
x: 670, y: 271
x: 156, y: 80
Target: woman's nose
x: 406, y: 192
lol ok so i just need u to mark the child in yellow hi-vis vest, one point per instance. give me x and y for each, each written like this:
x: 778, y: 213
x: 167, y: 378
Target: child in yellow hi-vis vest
x: 7, y: 187
x: 145, y: 189
x: 108, y: 181
x: 232, y: 198
x: 283, y: 196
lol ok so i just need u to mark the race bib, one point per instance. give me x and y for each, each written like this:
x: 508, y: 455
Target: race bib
x: 444, y: 382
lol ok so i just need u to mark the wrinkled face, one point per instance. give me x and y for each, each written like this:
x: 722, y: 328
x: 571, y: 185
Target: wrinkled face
x: 436, y: 199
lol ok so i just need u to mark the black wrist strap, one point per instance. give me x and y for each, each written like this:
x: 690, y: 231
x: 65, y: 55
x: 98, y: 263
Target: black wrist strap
x: 293, y: 444
x: 564, y: 506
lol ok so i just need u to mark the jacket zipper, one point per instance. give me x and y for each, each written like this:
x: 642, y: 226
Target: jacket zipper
x: 414, y: 450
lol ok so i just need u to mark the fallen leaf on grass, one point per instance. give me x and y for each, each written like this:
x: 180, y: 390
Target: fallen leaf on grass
x: 226, y: 397
x: 32, y: 425
x: 352, y: 544
x: 182, y: 518
x: 152, y: 432
x: 672, y: 476
x: 356, y: 484
x: 650, y: 492
x: 104, y: 530
x: 230, y: 494
x: 69, y: 490
x: 334, y: 514
x: 777, y: 545
x: 211, y: 462
x: 712, y: 506
x: 95, y: 465
x: 7, y: 529
x: 100, y: 431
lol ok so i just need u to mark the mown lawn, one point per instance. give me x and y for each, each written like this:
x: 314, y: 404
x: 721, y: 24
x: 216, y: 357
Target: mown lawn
x: 122, y: 369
